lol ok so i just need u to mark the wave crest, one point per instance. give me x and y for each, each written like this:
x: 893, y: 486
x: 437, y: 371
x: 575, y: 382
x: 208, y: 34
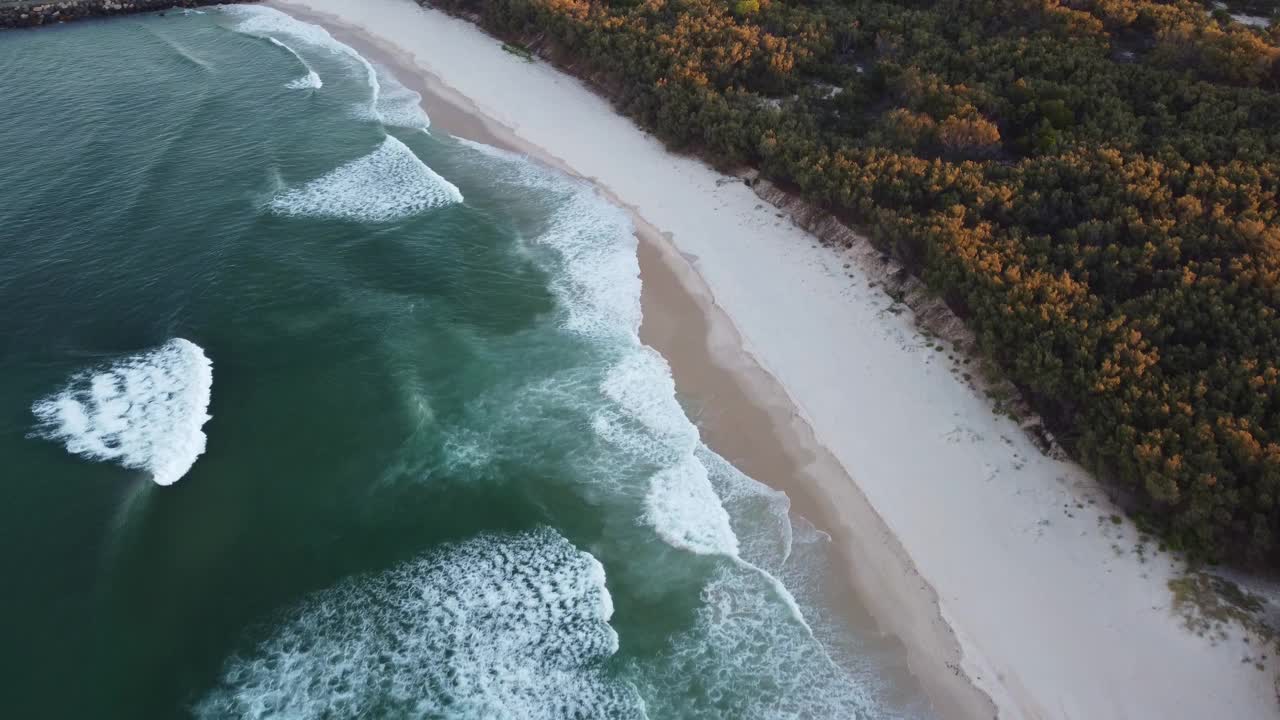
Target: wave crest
x: 394, y: 104
x: 388, y: 184
x: 309, y: 81
x: 144, y: 412
x: 390, y: 103
x: 496, y: 627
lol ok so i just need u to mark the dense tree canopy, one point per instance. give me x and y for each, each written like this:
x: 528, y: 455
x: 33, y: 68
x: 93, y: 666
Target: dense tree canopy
x: 1091, y: 183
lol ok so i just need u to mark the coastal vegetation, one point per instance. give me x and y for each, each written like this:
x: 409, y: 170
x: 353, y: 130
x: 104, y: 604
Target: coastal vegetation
x: 1091, y: 184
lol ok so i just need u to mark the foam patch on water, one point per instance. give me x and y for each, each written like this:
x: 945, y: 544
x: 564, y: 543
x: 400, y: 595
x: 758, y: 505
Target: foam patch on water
x: 598, y: 283
x: 394, y: 104
x: 144, y: 412
x: 644, y: 418
x: 496, y: 627
x: 309, y: 81
x: 467, y: 450
x: 598, y: 278
x: 496, y: 153
x: 760, y: 516
x: 268, y: 22
x: 390, y: 103
x: 684, y: 510
x: 751, y: 652
x: 796, y: 559
x: 388, y: 184
x: 747, y: 657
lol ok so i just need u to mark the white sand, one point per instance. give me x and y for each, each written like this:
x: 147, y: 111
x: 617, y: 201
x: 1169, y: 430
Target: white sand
x: 1056, y: 615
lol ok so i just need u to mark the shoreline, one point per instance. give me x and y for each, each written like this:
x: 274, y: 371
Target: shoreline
x: 749, y: 419
x: 1048, y: 613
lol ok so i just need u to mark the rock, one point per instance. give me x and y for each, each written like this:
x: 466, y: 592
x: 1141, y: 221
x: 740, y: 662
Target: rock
x: 28, y: 14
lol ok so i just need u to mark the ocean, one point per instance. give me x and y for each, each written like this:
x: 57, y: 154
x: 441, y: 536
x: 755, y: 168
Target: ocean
x: 308, y: 410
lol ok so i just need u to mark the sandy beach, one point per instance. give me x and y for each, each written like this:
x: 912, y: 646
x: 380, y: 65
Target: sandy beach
x: 996, y: 576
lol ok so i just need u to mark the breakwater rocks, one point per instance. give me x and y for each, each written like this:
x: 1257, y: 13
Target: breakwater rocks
x: 34, y: 14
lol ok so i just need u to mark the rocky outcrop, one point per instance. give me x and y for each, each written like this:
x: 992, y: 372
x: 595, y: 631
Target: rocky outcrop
x: 35, y: 14
x: 932, y: 315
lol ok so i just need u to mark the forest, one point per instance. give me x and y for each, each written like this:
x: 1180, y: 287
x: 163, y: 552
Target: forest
x: 1091, y: 184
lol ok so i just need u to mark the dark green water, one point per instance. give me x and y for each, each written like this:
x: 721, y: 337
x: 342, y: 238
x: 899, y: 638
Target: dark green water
x: 440, y: 476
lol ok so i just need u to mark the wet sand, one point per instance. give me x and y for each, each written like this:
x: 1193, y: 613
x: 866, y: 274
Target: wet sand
x: 744, y: 414
x: 983, y: 562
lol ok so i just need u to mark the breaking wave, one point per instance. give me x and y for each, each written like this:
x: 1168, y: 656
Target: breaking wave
x: 751, y: 651
x: 390, y: 103
x: 815, y: 665
x: 499, y: 625
x: 599, y: 287
x: 309, y: 81
x: 144, y: 412
x: 685, y: 511
x: 746, y: 657
x: 388, y: 184
x: 394, y: 104
x: 495, y: 627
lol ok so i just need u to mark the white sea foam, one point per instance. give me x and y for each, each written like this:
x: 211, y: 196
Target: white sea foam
x: 684, y: 510
x: 496, y: 627
x: 309, y: 81
x: 467, y: 449
x: 600, y: 285
x: 388, y: 184
x: 393, y: 105
x: 496, y: 153
x: 752, y: 652
x: 599, y: 288
x: 795, y: 561
x: 747, y: 657
x: 144, y: 412
x: 599, y: 278
x: 760, y: 516
x: 645, y: 420
x: 268, y: 22
x: 645, y: 417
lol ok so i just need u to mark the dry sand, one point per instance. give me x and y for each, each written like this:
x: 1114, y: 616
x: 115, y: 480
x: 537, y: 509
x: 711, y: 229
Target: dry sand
x: 977, y: 556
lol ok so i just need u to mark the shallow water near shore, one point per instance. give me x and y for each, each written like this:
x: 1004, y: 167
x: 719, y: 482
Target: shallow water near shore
x: 419, y: 463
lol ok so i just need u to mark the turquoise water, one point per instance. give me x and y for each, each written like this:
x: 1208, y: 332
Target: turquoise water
x: 309, y: 411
